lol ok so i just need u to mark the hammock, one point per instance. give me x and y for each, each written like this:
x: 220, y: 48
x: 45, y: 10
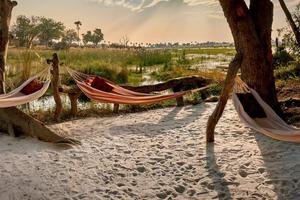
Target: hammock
x: 117, y: 94
x: 271, y: 125
x: 18, y: 97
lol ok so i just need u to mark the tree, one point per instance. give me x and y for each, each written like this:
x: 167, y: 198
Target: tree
x: 50, y: 30
x: 78, y: 24
x: 86, y: 38
x: 124, y: 41
x: 25, y: 30
x: 69, y: 37
x: 291, y: 34
x: 295, y: 28
x: 97, y: 36
x: 251, y: 30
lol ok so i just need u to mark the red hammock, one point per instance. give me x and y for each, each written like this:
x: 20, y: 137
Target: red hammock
x: 104, y: 91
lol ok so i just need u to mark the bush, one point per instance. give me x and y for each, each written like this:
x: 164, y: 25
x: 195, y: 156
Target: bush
x: 122, y: 76
x: 290, y: 71
x: 281, y: 59
x: 61, y: 46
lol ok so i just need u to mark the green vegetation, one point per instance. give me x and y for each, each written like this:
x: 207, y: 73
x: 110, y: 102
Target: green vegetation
x: 230, y: 51
x: 288, y: 72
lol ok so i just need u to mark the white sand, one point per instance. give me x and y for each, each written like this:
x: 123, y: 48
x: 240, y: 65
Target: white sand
x: 160, y: 154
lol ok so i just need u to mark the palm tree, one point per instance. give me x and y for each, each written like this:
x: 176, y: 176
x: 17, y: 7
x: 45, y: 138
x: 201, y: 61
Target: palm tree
x: 78, y: 24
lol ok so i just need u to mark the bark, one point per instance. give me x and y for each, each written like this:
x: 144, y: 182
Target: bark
x: 55, y: 86
x: 251, y: 30
x: 227, y: 89
x: 6, y: 7
x: 291, y: 21
x: 73, y: 99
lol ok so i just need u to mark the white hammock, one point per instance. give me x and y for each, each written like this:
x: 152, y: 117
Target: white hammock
x: 15, y: 97
x: 272, y: 126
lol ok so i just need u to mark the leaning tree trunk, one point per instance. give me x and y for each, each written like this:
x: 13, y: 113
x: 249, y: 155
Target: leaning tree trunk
x: 13, y: 119
x: 291, y: 21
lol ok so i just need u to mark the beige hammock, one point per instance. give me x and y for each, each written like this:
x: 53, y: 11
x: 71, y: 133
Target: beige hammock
x: 272, y: 125
x: 16, y: 97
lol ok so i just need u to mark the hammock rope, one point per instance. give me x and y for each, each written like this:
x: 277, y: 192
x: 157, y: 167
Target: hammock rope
x: 272, y: 125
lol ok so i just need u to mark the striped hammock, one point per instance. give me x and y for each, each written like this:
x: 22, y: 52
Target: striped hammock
x: 120, y: 95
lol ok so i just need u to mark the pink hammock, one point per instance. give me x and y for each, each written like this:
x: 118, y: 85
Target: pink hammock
x: 112, y: 93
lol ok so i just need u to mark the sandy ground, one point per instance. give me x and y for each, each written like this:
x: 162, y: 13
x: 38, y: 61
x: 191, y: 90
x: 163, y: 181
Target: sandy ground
x: 160, y: 154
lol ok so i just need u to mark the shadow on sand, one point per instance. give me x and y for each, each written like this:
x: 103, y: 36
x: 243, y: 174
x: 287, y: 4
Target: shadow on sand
x: 282, y: 166
x: 166, y: 123
x: 219, y: 183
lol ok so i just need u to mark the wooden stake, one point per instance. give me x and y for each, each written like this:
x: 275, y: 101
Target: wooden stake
x: 55, y: 86
x: 227, y: 89
x: 116, y: 108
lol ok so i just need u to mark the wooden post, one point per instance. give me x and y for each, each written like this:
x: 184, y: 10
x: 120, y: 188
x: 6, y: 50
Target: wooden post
x: 180, y: 101
x: 73, y: 99
x: 55, y: 86
x: 116, y: 108
x: 227, y: 89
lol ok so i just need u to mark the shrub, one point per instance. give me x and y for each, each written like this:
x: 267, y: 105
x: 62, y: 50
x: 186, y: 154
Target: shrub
x: 281, y: 58
x: 290, y: 71
x: 122, y: 76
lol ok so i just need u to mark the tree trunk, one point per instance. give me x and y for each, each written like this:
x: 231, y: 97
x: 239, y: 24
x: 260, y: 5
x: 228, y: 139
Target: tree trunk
x: 227, y: 89
x: 251, y: 30
x: 6, y: 7
x: 73, y: 99
x: 55, y: 86
x: 291, y: 21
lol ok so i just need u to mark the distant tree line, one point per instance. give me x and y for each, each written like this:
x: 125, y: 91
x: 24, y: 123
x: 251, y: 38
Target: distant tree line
x: 28, y: 31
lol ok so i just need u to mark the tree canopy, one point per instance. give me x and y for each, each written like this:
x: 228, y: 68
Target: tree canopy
x: 42, y: 30
x: 96, y: 37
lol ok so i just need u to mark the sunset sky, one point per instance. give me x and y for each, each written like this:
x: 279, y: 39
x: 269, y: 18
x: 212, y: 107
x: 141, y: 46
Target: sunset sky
x: 144, y: 20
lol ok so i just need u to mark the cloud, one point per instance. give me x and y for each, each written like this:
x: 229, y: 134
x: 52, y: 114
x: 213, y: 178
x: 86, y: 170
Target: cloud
x: 140, y: 5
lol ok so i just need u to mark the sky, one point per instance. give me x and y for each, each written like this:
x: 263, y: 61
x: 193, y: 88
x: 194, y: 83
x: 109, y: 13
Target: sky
x: 147, y: 21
